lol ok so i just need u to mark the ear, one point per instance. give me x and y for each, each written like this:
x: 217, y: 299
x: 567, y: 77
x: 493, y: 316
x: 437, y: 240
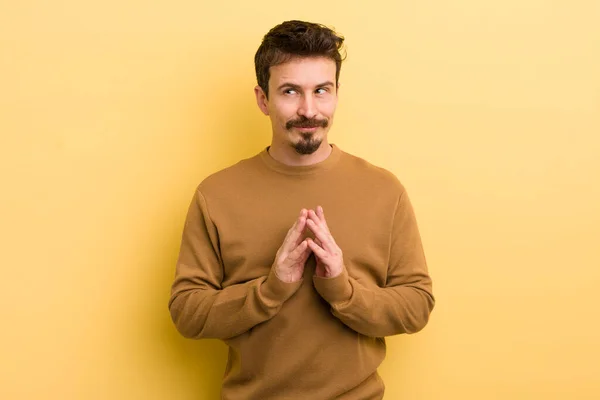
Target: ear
x: 261, y: 100
x: 337, y: 89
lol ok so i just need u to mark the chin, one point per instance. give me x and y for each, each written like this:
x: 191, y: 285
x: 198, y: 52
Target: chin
x: 307, y: 147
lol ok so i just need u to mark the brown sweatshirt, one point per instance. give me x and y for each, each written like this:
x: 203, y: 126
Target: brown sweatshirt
x: 319, y: 338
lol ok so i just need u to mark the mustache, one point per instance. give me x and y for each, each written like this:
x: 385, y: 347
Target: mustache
x: 307, y: 123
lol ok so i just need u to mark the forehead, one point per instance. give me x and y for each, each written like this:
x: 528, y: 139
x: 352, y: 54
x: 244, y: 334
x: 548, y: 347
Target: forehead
x: 303, y: 71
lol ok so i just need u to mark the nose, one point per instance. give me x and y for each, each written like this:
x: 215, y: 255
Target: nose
x: 307, y: 107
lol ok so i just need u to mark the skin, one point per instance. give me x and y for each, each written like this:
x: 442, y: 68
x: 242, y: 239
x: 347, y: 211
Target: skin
x: 303, y: 95
x: 296, y: 248
x: 330, y: 260
x: 302, y: 92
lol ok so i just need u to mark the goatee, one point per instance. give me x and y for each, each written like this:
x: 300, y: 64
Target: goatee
x: 307, y: 145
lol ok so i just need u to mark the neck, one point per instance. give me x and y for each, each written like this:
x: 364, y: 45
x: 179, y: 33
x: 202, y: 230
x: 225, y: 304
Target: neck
x: 287, y: 155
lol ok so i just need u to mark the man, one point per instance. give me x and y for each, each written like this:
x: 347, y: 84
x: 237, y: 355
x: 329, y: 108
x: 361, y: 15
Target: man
x: 303, y: 257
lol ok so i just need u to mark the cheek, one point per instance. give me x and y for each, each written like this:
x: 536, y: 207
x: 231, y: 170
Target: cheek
x: 285, y: 112
x: 328, y: 107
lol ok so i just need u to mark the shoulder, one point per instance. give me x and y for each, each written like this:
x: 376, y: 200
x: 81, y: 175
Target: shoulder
x: 230, y: 178
x: 376, y: 177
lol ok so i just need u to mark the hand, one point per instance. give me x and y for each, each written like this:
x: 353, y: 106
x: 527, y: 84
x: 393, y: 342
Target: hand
x: 293, y: 253
x: 330, y: 262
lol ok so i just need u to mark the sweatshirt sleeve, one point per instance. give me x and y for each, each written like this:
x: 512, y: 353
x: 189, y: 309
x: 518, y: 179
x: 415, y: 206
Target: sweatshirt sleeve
x: 200, y: 307
x: 404, y: 304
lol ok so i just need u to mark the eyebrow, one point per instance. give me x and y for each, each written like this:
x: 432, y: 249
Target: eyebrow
x: 294, y: 86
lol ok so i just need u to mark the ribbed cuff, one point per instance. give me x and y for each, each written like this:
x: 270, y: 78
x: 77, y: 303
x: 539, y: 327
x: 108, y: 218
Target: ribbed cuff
x: 277, y: 291
x: 334, y: 290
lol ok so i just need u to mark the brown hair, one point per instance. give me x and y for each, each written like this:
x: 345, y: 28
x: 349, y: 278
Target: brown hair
x: 296, y: 39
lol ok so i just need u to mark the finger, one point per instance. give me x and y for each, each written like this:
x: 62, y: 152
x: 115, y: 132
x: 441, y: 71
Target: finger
x: 319, y: 252
x: 307, y: 252
x: 321, y: 215
x: 317, y: 220
x: 324, y: 237
x: 299, y: 252
x: 300, y: 223
x: 296, y: 222
x: 294, y: 234
x: 318, y: 243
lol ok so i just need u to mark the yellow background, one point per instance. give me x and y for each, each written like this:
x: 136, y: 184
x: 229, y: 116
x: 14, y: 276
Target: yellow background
x: 112, y: 111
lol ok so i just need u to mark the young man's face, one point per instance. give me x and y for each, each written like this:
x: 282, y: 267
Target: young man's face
x: 302, y: 101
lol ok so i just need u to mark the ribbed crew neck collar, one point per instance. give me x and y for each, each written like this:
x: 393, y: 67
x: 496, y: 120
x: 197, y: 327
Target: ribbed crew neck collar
x: 278, y: 166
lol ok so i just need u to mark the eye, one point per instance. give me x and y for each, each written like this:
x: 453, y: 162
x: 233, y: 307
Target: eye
x: 289, y: 91
x: 322, y: 90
